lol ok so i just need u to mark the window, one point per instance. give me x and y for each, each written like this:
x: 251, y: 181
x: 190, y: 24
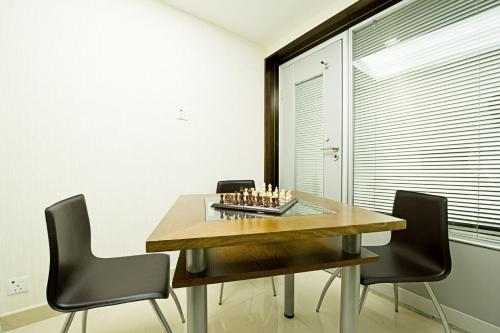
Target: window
x: 426, y: 104
x: 309, y: 136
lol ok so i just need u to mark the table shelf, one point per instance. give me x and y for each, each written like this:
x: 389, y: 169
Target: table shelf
x: 250, y: 261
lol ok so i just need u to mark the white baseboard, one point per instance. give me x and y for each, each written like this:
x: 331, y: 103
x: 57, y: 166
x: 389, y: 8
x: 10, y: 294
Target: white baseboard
x: 26, y: 316
x: 456, y: 318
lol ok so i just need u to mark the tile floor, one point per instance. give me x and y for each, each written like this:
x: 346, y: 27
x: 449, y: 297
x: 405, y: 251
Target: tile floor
x: 249, y: 306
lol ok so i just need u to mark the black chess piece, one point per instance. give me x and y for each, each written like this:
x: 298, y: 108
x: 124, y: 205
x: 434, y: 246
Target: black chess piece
x: 221, y: 199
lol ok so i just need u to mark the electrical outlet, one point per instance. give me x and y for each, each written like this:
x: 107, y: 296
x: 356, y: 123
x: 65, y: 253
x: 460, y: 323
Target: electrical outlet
x: 17, y: 285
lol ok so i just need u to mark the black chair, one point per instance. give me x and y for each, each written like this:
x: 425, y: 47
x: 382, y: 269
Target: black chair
x: 420, y: 253
x: 79, y: 281
x: 231, y: 186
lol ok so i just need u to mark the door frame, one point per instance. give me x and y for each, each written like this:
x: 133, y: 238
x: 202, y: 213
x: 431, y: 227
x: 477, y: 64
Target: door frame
x: 339, y: 23
x: 346, y: 98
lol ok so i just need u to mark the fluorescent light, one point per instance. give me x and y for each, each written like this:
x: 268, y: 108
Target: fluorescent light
x: 471, y: 36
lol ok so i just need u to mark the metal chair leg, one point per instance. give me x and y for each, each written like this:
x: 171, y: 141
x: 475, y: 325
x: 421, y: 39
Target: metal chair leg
x: 274, y: 287
x: 84, y: 321
x: 438, y: 308
x: 325, y: 288
x: 67, y: 322
x: 396, y: 297
x: 221, y: 292
x: 177, y: 303
x: 364, y: 293
x: 160, y: 316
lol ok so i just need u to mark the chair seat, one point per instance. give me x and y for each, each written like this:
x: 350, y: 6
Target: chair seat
x: 398, y: 264
x: 111, y: 281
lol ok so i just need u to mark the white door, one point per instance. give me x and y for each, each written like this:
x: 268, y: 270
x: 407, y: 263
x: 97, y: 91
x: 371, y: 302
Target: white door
x: 310, y: 117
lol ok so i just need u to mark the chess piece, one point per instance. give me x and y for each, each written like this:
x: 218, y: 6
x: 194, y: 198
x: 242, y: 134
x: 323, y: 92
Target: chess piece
x: 283, y: 196
x: 235, y: 198
x: 266, y: 200
x: 221, y: 199
x: 273, y: 202
x: 276, y: 199
x: 242, y: 199
x: 270, y: 188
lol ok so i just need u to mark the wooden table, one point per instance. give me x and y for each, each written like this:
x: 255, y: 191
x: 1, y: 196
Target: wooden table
x: 231, y: 250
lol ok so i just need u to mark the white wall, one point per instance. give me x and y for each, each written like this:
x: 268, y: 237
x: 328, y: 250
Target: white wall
x: 89, y: 93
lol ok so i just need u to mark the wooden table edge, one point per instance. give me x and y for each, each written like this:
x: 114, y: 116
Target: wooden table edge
x: 278, y: 236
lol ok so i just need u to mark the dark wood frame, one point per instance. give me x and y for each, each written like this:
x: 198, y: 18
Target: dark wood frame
x: 356, y: 13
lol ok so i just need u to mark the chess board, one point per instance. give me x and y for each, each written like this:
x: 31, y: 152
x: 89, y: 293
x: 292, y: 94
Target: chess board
x: 258, y: 209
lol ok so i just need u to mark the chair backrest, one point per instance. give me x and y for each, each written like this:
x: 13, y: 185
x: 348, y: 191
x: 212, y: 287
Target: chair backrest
x: 229, y: 186
x: 426, y: 230
x: 68, y: 227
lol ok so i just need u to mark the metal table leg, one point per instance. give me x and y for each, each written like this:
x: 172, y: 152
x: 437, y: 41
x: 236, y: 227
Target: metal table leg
x: 196, y: 262
x: 349, y: 300
x: 289, y: 295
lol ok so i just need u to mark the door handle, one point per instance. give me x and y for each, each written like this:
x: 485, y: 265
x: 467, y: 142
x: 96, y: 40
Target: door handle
x: 333, y: 149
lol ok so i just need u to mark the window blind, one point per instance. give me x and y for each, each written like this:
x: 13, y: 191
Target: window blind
x: 426, y: 101
x: 309, y: 136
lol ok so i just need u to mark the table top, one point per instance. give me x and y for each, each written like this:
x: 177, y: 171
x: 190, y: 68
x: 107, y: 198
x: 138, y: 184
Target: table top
x: 185, y: 225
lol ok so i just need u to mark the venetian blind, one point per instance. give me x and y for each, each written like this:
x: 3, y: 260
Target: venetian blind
x: 309, y: 136
x: 426, y: 99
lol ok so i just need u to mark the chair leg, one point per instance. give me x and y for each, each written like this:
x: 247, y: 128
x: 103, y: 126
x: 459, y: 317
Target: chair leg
x: 221, y: 292
x: 84, y: 321
x: 325, y: 288
x: 438, y: 308
x: 274, y: 287
x: 160, y: 316
x: 364, y: 293
x: 67, y: 322
x: 396, y: 297
x: 177, y: 303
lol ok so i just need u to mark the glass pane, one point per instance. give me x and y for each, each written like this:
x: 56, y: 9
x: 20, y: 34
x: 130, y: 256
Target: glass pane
x: 309, y: 136
x: 426, y: 98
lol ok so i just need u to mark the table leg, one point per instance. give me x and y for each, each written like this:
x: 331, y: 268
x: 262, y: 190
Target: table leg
x: 289, y: 295
x: 196, y: 262
x: 349, y: 299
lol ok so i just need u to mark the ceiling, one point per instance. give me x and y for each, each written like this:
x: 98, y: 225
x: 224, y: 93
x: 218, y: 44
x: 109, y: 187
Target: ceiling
x: 261, y: 21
